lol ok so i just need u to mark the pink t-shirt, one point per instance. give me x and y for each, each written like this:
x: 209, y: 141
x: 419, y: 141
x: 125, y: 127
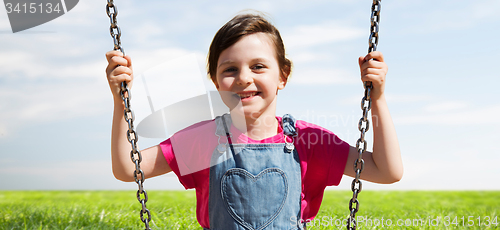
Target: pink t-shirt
x: 322, y: 157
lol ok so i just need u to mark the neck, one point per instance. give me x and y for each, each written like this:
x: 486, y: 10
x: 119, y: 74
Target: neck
x: 255, y: 126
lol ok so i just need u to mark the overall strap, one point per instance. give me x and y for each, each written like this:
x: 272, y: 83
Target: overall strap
x: 222, y: 129
x: 289, y: 129
x: 288, y: 124
x: 226, y: 129
x: 223, y: 123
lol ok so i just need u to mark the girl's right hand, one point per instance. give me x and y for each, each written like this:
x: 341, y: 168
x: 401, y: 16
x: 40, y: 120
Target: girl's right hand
x: 119, y: 70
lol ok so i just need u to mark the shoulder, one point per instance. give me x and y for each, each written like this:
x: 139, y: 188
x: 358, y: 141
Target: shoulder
x: 316, y: 137
x: 201, y: 128
x: 306, y: 127
x: 192, y: 133
x: 190, y: 149
x: 321, y: 152
x: 307, y: 130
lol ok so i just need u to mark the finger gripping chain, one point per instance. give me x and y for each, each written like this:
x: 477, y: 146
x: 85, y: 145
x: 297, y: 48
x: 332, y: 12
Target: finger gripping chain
x: 364, y: 123
x: 128, y: 115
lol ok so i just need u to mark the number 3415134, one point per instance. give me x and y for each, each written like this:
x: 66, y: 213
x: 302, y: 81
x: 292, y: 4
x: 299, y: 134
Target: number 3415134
x: 33, y: 8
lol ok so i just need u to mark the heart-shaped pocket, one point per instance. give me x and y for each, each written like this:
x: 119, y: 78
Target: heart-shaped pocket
x: 254, y: 201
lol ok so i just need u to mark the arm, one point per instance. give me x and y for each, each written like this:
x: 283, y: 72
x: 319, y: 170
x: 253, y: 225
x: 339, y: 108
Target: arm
x: 153, y: 163
x: 384, y: 164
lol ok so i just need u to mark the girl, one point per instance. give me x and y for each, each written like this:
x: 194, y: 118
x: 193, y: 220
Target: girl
x: 250, y: 168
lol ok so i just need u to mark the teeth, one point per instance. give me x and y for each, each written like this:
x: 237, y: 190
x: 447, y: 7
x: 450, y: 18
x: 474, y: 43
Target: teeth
x: 245, y: 95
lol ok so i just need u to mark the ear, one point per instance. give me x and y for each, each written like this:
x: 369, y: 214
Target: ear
x: 282, y: 83
x: 214, y: 81
x: 283, y: 80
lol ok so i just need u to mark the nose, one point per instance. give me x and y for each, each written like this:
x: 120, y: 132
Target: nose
x: 244, y: 77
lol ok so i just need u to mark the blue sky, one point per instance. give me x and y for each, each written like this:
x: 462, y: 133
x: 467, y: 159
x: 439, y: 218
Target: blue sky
x: 56, y: 108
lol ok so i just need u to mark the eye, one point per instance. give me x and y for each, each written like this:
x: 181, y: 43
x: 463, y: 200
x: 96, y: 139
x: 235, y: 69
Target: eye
x: 258, y: 67
x: 230, y: 69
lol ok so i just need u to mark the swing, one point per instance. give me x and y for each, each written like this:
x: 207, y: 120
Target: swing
x: 364, y: 123
x: 135, y: 154
x: 132, y: 137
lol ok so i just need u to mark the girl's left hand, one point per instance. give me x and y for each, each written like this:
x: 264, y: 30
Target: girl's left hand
x: 374, y: 69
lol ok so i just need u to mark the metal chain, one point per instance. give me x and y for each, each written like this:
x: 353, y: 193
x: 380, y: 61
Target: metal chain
x: 364, y: 123
x: 128, y: 114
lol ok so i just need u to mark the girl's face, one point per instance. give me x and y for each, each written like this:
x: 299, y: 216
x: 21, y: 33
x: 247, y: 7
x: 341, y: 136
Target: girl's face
x: 249, y: 71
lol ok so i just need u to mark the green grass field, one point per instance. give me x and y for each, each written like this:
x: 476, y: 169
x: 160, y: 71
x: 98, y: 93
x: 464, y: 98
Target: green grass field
x: 176, y: 210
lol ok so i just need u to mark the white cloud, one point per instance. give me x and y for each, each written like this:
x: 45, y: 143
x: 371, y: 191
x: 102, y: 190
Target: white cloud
x: 429, y: 109
x: 32, y: 103
x: 475, y: 116
x: 61, y: 170
x: 84, y: 14
x: 458, y: 174
x: 4, y: 23
x: 49, y: 91
x: 304, y: 36
x: 450, y: 16
x: 426, y: 168
x: 167, y: 82
x: 390, y: 97
x: 75, y: 175
x: 3, y: 131
x: 407, y: 98
x: 26, y: 64
x: 144, y: 59
x: 485, y: 9
x: 305, y: 56
x: 446, y: 106
x: 323, y: 76
x: 13, y: 61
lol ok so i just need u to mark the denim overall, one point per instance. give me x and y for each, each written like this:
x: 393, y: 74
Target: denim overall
x: 254, y: 186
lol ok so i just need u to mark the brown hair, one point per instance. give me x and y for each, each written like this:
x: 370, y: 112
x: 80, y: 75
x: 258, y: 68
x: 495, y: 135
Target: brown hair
x: 238, y: 27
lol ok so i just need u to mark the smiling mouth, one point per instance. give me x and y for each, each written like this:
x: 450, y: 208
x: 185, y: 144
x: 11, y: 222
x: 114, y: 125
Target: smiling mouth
x: 247, y: 95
